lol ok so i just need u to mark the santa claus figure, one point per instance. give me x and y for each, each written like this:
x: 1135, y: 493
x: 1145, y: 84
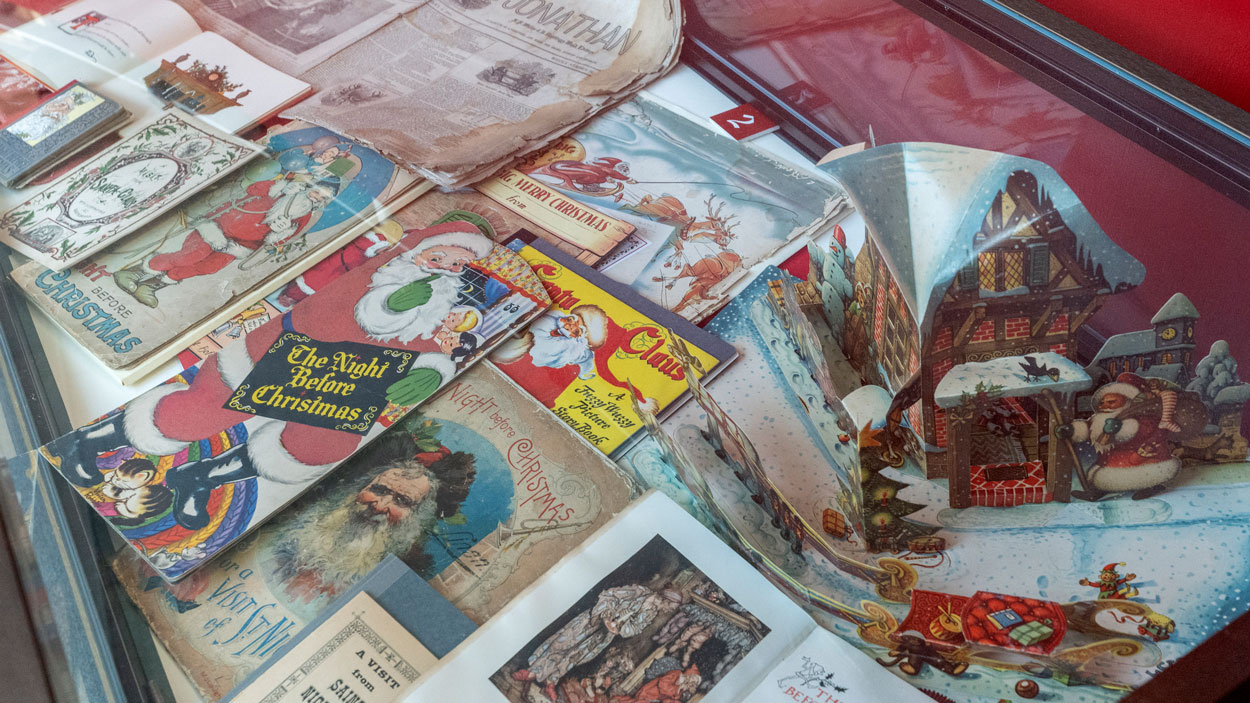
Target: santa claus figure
x: 1134, y: 426
x: 605, y: 175
x: 562, y: 347
x: 271, y: 214
x: 406, y: 295
x: 353, y: 254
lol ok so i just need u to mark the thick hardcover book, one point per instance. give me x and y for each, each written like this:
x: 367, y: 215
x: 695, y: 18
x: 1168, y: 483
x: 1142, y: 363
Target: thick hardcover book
x: 479, y: 491
x: 55, y: 129
x: 136, y: 304
x: 599, y: 343
x: 190, y: 466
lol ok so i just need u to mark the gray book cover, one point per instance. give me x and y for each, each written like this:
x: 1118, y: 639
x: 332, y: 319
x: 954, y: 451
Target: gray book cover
x: 69, y: 120
x: 437, y: 624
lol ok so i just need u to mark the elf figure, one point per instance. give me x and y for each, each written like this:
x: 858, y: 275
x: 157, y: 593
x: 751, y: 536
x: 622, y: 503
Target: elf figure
x: 1134, y: 426
x: 1110, y: 585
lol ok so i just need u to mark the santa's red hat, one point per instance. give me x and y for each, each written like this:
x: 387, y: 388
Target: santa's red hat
x: 1110, y: 568
x: 1129, y: 385
x: 463, y: 235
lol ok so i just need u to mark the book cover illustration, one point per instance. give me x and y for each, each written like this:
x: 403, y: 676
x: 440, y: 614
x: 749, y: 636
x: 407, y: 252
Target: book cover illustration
x: 188, y: 467
x: 581, y: 356
x: 478, y: 490
x: 123, y: 188
x: 19, y: 91
x: 308, y: 190
x: 724, y: 205
x: 56, y: 114
x: 431, y: 207
x: 65, y: 123
x: 654, y: 629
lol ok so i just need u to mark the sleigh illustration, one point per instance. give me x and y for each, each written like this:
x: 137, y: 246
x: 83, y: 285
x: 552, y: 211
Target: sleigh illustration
x: 1099, y: 642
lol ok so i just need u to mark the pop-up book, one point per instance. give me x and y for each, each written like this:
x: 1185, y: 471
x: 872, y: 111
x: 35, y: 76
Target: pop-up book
x: 1058, y: 520
x: 190, y: 466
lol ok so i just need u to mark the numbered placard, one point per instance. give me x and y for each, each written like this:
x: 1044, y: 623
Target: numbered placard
x: 744, y: 122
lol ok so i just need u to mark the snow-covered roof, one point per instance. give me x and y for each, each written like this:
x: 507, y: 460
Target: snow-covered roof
x: 1008, y: 372
x: 925, y: 202
x: 1176, y: 307
x: 1126, y: 344
x: 1168, y: 372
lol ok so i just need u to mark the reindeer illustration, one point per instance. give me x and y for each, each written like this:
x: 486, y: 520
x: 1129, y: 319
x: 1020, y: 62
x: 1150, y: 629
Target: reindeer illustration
x: 670, y: 210
x: 708, y: 271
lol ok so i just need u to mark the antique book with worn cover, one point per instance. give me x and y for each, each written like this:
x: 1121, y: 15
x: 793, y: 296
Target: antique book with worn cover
x: 479, y: 490
x: 60, y: 126
x: 190, y: 466
x: 141, y: 301
x: 122, y: 189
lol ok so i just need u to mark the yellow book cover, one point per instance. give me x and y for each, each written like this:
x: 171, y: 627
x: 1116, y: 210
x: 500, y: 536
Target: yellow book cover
x: 598, y: 337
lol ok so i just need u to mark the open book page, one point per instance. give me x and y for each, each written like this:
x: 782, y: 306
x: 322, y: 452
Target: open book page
x: 211, y: 78
x: 94, y: 40
x: 456, y: 88
x: 825, y: 669
x: 653, y: 603
x: 295, y: 35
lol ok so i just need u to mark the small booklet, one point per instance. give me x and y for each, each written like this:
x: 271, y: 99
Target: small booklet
x: 121, y: 189
x: 373, y: 642
x: 190, y: 466
x: 654, y: 608
x: 391, y: 615
x: 148, y: 53
x: 65, y: 123
x: 598, y: 344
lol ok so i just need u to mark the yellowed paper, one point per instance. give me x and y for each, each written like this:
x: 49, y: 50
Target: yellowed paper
x: 572, y: 221
x: 359, y: 654
x: 457, y: 89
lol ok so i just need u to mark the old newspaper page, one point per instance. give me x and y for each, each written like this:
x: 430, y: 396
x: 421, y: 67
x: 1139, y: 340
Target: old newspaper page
x: 457, y: 88
x: 294, y: 35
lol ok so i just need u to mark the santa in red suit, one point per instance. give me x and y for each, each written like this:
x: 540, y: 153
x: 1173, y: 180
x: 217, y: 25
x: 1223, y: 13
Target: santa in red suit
x: 605, y: 175
x: 398, y: 300
x: 560, y: 348
x: 270, y: 214
x: 1134, y: 426
x: 351, y: 255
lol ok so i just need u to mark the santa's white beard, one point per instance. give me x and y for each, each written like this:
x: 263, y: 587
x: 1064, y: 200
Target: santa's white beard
x: 342, y: 544
x: 382, y: 323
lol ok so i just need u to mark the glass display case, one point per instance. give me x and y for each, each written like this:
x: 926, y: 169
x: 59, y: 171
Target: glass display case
x: 1162, y: 166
